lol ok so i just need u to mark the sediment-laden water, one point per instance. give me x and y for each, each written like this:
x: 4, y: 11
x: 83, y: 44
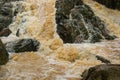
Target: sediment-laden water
x: 55, y: 60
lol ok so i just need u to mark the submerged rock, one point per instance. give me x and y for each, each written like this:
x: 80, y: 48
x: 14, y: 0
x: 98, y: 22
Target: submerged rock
x: 4, y: 57
x: 77, y: 23
x: 103, y: 72
x: 22, y: 45
x: 113, y: 4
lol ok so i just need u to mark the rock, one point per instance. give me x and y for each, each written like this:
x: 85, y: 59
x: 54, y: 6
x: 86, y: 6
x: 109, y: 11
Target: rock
x: 17, y: 33
x: 77, y: 23
x: 4, y: 57
x: 6, y: 14
x: 103, y: 72
x: 5, y: 32
x: 113, y: 4
x: 102, y: 59
x: 22, y: 45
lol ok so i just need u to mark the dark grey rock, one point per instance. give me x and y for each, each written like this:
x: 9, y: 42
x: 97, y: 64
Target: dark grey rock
x: 113, y: 4
x: 5, y: 32
x: 22, y: 45
x: 17, y: 33
x: 7, y: 13
x: 4, y: 57
x: 77, y: 23
x: 103, y: 72
x: 102, y: 59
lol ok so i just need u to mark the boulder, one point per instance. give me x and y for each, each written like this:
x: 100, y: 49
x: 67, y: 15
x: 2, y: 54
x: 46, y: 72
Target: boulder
x: 22, y: 45
x: 4, y: 57
x: 77, y: 23
x: 103, y: 72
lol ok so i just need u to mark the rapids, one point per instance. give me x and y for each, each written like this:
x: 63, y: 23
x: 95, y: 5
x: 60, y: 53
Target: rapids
x: 55, y: 60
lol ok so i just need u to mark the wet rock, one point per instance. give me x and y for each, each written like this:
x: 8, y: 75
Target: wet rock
x: 4, y: 57
x: 103, y: 72
x: 17, y: 33
x: 6, y: 13
x: 77, y: 23
x: 5, y: 32
x: 102, y: 59
x: 113, y: 4
x: 22, y: 45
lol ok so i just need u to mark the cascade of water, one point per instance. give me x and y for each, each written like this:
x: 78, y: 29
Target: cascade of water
x: 54, y: 60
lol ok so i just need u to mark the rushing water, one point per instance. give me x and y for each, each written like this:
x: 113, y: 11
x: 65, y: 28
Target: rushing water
x: 55, y: 60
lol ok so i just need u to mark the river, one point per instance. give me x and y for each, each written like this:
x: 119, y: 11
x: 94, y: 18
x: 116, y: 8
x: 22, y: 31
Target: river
x: 55, y: 60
